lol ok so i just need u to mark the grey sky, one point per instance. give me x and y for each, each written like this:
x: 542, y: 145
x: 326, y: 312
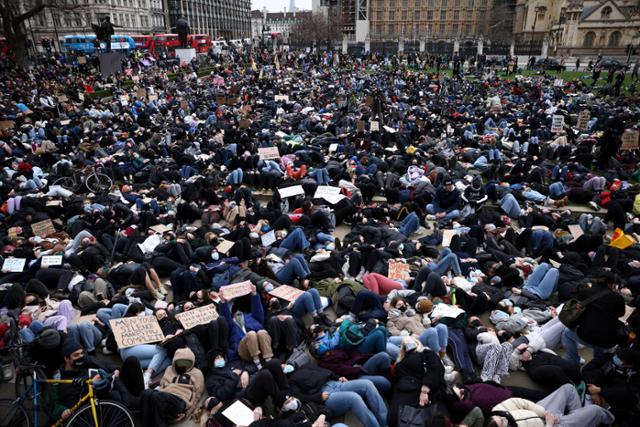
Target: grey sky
x: 279, y: 5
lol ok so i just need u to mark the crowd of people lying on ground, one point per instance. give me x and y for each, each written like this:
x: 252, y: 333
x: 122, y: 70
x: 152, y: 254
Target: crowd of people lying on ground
x: 459, y: 258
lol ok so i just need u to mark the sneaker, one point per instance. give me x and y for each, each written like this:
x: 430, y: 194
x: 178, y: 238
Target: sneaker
x: 594, y: 206
x: 106, y: 351
x: 453, y: 378
x: 448, y: 369
x: 582, y: 361
x: 446, y: 360
x: 146, y: 378
x: 431, y: 217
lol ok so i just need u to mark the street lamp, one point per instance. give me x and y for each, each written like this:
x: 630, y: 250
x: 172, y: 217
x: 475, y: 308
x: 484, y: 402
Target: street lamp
x: 533, y: 29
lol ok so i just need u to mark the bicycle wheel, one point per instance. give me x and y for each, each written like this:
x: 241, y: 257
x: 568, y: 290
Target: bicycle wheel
x: 66, y: 182
x: 13, y: 414
x: 98, y: 183
x: 110, y: 414
x: 24, y: 384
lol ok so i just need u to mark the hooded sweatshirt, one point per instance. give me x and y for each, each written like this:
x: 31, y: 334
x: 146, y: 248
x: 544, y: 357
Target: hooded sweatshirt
x: 188, y: 386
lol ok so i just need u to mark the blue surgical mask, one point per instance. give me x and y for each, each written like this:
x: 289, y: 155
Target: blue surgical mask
x: 215, y: 255
x: 219, y: 363
x: 617, y: 362
x: 288, y: 369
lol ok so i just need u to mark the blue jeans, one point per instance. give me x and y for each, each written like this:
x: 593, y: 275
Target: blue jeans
x: 321, y: 176
x: 447, y: 261
x: 452, y: 214
x: 510, y: 205
x: 410, y: 224
x: 374, y: 342
x: 351, y: 396
x: 29, y: 334
x: 297, y: 267
x: 435, y: 337
x: 295, y: 241
x: 534, y: 196
x: 559, y: 173
x: 86, y: 334
x: 542, y: 281
x: 556, y: 191
x: 235, y: 177
x: 494, y: 154
x: 570, y: 341
x: 115, y: 312
x: 541, y: 238
x: 151, y: 356
x: 377, y: 369
x: 186, y: 171
x: 308, y: 302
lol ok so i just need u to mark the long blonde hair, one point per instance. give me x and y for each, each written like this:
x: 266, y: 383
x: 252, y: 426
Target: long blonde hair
x: 403, y: 351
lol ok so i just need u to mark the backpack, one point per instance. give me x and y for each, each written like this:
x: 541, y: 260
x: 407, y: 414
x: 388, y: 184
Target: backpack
x: 353, y: 335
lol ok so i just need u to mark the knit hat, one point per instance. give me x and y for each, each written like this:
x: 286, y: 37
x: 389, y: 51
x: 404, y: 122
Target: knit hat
x: 49, y: 338
x: 424, y: 306
x: 70, y: 346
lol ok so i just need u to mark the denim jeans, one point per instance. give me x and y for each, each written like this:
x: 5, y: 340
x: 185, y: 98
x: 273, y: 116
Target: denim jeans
x: 560, y: 172
x: 556, y: 190
x: 151, y: 356
x: 297, y: 267
x: 374, y: 342
x: 410, y: 224
x: 510, y: 205
x: 295, y: 241
x: 29, y: 334
x: 534, y: 196
x: 377, y: 369
x: 115, y: 312
x: 321, y: 176
x: 452, y: 214
x: 86, y: 334
x: 541, y: 238
x: 447, y: 261
x: 351, y: 396
x: 596, y: 227
x: 570, y: 341
x: 235, y: 177
x: 435, y: 337
x: 543, y: 281
x: 494, y: 154
x: 308, y: 302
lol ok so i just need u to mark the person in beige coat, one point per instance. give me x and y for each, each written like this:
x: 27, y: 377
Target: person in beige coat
x: 562, y: 408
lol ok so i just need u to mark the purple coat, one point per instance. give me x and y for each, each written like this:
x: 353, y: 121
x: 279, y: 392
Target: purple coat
x: 485, y: 396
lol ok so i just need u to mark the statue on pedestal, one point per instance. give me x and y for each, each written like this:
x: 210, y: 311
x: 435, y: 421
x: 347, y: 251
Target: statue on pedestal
x: 104, y: 31
x: 182, y: 28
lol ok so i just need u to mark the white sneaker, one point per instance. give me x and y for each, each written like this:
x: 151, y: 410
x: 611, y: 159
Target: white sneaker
x: 146, y: 378
x: 582, y: 361
x: 431, y: 217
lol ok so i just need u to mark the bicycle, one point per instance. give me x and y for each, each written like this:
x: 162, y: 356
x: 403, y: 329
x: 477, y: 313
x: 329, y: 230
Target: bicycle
x: 91, y: 178
x: 89, y: 411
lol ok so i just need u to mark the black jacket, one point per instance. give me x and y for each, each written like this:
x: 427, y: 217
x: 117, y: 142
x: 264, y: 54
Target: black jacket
x: 599, y: 324
x: 306, y: 382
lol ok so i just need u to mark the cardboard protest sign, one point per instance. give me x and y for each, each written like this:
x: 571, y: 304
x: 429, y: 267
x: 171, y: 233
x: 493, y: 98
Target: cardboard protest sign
x: 447, y: 235
x: 235, y: 290
x: 286, y: 292
x: 130, y: 331
x: 629, y: 140
x: 13, y: 233
x: 557, y: 123
x: 197, y: 316
x: 360, y: 125
x: 224, y: 246
x: 7, y: 124
x: 50, y: 260
x: 62, y: 98
x: 43, y: 228
x: 398, y: 270
x: 82, y: 60
x: 153, y: 98
x: 14, y: 265
x: 268, y: 153
x: 282, y: 98
x: 268, y: 239
x: 328, y: 193
x: 54, y: 203
x: 294, y: 190
x: 583, y: 119
x: 576, y: 232
x: 161, y: 228
x: 375, y: 126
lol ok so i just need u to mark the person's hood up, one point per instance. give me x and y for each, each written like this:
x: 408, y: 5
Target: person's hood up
x: 184, y: 354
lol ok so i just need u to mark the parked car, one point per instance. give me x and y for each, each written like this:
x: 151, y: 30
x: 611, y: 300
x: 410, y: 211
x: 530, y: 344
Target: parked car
x: 608, y: 63
x: 550, y: 64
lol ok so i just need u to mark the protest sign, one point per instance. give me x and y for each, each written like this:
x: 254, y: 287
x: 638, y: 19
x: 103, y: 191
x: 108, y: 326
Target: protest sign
x: 294, y: 190
x: 13, y: 232
x: 328, y: 193
x: 268, y: 239
x: 447, y: 235
x: 557, y: 123
x: 282, y: 98
x: 62, y: 98
x: 54, y: 203
x: 360, y: 125
x: 235, y: 290
x: 197, y: 316
x: 239, y: 414
x: 576, y: 232
x: 43, y: 228
x: 583, y: 119
x: 130, y: 331
x: 50, y: 260
x: 160, y: 228
x: 7, y: 124
x: 268, y: 153
x: 558, y: 83
x: 286, y: 292
x: 82, y: 60
x: 375, y: 126
x: 629, y: 140
x: 224, y: 246
x: 398, y: 270
x: 153, y: 98
x: 13, y: 265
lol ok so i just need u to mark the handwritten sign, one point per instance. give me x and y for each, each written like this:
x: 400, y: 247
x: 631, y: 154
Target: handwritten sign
x: 130, y: 331
x: 50, y: 260
x: 197, y: 316
x: 13, y: 232
x: 7, y: 124
x: 282, y: 98
x: 236, y: 290
x: 225, y: 246
x: 333, y: 147
x: 447, y: 235
x: 557, y: 123
x: 43, y: 228
x: 583, y: 119
x: 360, y: 125
x: 294, y: 190
x: 576, y: 232
x: 328, y: 193
x: 14, y: 265
x: 286, y: 292
x: 398, y: 270
x: 375, y: 126
x: 268, y: 153
x: 629, y: 140
x: 268, y: 239
x: 82, y: 60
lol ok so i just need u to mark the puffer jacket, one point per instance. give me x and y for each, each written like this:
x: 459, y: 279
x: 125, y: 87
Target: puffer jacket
x: 190, y: 390
x: 408, y: 321
x: 524, y: 412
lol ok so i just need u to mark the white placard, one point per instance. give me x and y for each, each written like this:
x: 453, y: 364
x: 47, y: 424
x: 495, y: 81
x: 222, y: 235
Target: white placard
x: 267, y: 239
x: 294, y: 190
x: 14, y: 265
x: 239, y: 414
x: 389, y: 130
x: 447, y: 235
x: 268, y: 153
x: 282, y: 98
x: 557, y: 123
x: 558, y: 83
x: 50, y: 260
x: 333, y: 148
x: 375, y: 126
x: 328, y: 193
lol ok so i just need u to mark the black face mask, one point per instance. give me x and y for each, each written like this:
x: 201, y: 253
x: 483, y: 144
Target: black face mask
x: 476, y: 323
x: 403, y: 308
x: 181, y: 369
x: 78, y: 363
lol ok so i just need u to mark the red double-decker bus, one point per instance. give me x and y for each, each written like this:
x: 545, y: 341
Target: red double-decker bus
x: 200, y: 42
x: 143, y: 41
x: 164, y: 45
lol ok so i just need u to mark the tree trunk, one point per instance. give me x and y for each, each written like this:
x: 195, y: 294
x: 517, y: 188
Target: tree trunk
x: 18, y: 42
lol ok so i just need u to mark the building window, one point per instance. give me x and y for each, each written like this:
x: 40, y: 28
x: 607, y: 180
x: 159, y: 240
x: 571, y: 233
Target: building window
x: 430, y: 15
x: 614, y: 39
x: 432, y: 4
x: 443, y: 14
x: 456, y: 14
x: 542, y: 11
x: 589, y: 38
x: 606, y: 12
x: 443, y: 4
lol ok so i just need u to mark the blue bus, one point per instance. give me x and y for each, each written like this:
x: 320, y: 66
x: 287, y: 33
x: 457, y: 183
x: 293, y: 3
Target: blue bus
x: 85, y: 44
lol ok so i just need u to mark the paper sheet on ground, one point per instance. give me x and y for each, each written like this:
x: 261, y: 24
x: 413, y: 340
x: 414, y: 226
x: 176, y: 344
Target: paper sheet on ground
x: 447, y: 235
x: 294, y: 190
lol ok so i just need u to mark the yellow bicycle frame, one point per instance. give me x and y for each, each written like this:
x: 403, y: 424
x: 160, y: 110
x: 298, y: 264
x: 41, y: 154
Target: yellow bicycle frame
x: 82, y: 400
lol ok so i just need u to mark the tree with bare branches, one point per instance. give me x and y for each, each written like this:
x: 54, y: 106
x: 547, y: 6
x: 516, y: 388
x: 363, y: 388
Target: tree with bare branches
x: 14, y: 14
x: 318, y: 28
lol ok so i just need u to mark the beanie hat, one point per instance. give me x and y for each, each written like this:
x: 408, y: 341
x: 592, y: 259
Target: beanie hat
x: 69, y: 346
x: 424, y: 306
x: 49, y: 338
